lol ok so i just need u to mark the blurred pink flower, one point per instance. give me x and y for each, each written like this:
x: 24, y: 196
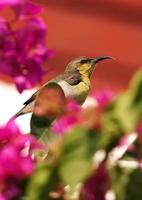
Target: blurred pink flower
x: 103, y: 97
x: 126, y: 144
x: 26, y: 7
x: 11, y: 191
x: 9, y: 2
x: 127, y: 140
x: 139, y: 131
x: 63, y: 125
x: 21, y: 7
x: 15, y: 164
x: 97, y: 185
x: 23, y: 52
x: 72, y: 106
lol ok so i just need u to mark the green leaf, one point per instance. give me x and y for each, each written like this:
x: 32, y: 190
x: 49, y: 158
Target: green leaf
x: 126, y: 183
x: 78, y: 150
x: 37, y: 183
x: 136, y: 88
x: 123, y: 114
x: 111, y: 128
x: 44, y: 180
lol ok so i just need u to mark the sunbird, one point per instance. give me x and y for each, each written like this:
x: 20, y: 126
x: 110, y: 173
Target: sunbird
x: 75, y: 82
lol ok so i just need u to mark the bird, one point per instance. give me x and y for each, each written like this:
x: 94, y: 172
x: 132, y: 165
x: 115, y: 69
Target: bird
x: 75, y: 82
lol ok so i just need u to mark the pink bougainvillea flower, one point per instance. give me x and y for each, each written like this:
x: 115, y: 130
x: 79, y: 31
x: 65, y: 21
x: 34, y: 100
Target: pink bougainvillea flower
x: 26, y: 7
x: 9, y: 2
x: 139, y: 131
x: 21, y: 7
x: 23, y: 52
x: 15, y: 165
x: 125, y: 144
x: 64, y: 124
x: 127, y: 140
x: 104, y: 97
x: 72, y: 106
x: 96, y: 185
x: 70, y: 118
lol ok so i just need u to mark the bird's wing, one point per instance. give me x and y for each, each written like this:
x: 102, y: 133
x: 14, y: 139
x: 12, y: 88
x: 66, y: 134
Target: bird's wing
x: 70, y: 78
x: 33, y: 97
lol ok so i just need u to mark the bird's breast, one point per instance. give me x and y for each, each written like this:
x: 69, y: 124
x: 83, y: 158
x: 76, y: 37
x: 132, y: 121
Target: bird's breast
x: 78, y: 92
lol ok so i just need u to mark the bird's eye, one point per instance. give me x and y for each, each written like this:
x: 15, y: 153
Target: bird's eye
x: 85, y: 60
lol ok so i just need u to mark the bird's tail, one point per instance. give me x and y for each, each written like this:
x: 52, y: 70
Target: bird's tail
x: 26, y: 109
x: 19, y: 113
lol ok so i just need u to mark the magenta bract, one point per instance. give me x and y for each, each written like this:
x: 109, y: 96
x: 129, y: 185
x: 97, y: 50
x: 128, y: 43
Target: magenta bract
x: 16, y: 162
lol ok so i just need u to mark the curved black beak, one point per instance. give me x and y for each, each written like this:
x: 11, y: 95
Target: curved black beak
x: 100, y: 58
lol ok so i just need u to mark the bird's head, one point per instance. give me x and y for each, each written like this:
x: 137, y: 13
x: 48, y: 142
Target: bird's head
x: 85, y: 65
